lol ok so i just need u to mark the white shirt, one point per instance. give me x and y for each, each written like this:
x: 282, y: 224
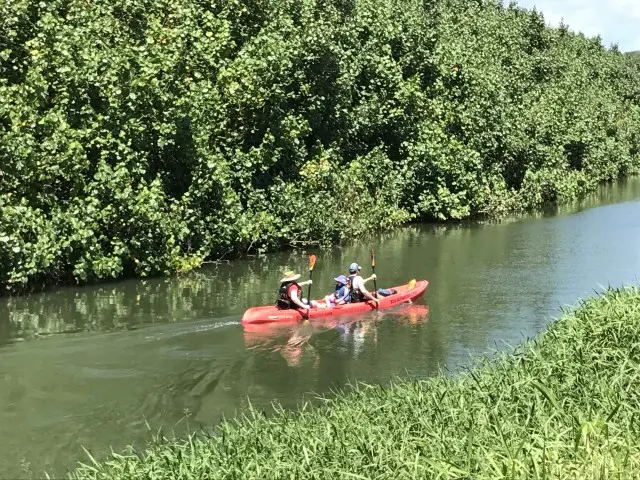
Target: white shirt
x: 357, y: 283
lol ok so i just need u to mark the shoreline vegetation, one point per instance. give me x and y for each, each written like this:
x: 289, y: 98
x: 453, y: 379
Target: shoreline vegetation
x: 143, y: 138
x: 562, y: 405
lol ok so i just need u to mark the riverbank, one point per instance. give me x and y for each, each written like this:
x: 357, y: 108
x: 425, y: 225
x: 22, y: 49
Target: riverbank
x: 562, y: 405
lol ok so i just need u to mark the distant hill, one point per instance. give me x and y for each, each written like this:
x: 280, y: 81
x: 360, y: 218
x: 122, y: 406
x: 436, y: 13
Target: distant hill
x: 635, y: 53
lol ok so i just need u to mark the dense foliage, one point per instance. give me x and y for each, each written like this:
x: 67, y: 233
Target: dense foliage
x: 142, y: 136
x: 564, y: 406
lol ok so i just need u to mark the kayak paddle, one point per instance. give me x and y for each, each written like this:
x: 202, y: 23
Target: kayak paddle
x: 373, y: 270
x: 312, y: 262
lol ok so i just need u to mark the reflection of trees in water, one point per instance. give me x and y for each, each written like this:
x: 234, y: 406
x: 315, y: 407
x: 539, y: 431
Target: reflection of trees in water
x: 221, y: 290
x: 7, y: 327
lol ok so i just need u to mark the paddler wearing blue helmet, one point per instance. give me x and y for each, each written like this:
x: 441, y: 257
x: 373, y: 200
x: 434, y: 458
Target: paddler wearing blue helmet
x: 359, y: 292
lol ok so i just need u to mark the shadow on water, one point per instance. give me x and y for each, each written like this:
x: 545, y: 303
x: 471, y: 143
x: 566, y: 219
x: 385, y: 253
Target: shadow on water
x: 109, y: 365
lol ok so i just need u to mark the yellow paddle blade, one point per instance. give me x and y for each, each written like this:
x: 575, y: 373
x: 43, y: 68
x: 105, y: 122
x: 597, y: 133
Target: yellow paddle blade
x: 312, y: 261
x: 373, y: 259
x: 411, y: 284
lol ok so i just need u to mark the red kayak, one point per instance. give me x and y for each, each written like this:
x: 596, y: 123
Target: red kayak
x: 271, y: 313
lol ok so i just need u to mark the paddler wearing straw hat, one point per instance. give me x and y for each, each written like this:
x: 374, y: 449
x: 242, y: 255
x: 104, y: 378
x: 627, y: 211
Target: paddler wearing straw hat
x: 290, y: 292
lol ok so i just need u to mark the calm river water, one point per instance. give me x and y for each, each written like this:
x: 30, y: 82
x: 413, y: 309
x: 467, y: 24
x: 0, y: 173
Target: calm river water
x: 106, y: 366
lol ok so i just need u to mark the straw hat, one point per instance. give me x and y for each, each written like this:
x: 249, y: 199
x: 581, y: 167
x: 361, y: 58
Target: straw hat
x: 290, y: 277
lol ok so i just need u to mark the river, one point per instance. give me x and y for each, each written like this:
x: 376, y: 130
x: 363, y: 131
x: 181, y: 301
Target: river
x: 105, y: 366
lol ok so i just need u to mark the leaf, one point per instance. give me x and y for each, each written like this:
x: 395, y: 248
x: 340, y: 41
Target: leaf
x: 549, y: 395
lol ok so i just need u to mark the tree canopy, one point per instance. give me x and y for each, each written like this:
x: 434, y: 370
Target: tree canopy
x: 139, y: 137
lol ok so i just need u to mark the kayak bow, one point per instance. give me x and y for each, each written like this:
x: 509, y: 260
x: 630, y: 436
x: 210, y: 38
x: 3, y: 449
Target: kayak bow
x: 271, y: 313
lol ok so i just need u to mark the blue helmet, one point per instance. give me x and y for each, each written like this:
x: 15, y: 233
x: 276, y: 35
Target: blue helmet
x: 354, y: 267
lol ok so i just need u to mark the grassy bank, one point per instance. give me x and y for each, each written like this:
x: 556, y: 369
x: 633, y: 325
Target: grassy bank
x: 566, y: 405
x: 141, y: 137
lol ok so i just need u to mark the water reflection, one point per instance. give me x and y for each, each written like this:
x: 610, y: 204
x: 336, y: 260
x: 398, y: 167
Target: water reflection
x: 292, y: 340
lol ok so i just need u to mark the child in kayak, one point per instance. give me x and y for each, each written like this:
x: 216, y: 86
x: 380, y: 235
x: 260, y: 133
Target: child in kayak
x: 341, y: 294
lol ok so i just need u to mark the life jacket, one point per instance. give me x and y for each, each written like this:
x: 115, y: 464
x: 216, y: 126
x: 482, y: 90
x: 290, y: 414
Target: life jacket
x: 284, y: 301
x: 355, y: 296
x: 341, y: 293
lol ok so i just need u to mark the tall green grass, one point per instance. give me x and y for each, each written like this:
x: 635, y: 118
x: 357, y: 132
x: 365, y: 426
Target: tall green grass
x: 565, y: 405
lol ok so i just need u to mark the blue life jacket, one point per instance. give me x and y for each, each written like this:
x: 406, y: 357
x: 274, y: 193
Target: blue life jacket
x: 340, y: 292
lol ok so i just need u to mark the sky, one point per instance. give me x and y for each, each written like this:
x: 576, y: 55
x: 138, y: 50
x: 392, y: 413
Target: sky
x: 617, y: 21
